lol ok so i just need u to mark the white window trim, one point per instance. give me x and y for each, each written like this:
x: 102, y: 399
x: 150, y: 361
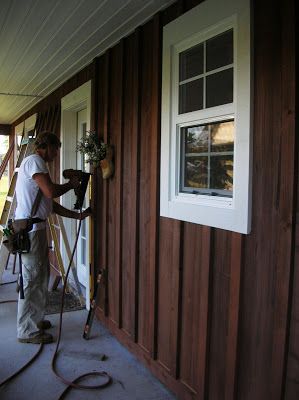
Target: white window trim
x: 202, y: 22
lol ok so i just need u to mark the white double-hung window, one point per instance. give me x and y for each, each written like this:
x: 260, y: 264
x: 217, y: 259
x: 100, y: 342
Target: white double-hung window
x: 206, y: 97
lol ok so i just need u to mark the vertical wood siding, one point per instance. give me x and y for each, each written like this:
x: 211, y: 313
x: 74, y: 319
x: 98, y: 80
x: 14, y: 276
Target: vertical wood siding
x: 292, y: 373
x: 292, y: 382
x: 206, y: 309
x: 148, y: 186
x: 268, y: 249
x: 130, y: 173
x: 115, y: 190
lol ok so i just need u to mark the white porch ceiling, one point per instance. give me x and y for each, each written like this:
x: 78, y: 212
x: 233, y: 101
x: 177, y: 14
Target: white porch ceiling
x: 45, y: 42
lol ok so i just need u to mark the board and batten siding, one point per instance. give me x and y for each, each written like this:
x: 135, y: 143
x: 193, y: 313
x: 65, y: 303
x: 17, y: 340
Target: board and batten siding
x: 205, y: 309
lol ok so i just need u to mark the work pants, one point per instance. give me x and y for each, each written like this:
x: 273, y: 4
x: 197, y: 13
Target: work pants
x: 35, y: 268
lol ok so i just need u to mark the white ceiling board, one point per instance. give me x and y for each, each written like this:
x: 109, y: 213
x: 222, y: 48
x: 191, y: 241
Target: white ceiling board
x: 45, y: 42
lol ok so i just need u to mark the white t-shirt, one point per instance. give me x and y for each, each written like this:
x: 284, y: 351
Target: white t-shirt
x: 27, y: 188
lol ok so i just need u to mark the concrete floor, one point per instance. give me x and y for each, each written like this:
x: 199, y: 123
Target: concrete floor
x: 131, y: 380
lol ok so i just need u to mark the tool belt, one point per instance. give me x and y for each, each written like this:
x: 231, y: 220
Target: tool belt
x: 17, y: 234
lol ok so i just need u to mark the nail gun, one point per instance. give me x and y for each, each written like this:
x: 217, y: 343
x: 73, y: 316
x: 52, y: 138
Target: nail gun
x: 83, y: 177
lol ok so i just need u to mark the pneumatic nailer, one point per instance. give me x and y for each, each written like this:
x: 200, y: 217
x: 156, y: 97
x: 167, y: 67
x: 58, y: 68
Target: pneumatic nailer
x: 80, y: 191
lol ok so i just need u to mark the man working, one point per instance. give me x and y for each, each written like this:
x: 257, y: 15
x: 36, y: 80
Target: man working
x: 33, y: 176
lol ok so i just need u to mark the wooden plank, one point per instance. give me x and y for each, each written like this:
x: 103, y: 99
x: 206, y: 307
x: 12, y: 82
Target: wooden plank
x: 94, y: 194
x: 149, y: 153
x: 267, y: 253
x: 155, y: 163
x: 287, y: 183
x: 219, y: 303
x: 115, y: 185
x: 131, y: 160
x: 292, y: 372
x: 292, y: 383
x: 103, y: 130
x: 169, y: 299
x: 195, y: 294
x: 233, y: 316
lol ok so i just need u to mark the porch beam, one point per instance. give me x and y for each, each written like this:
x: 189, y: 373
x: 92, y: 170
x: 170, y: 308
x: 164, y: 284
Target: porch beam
x: 5, y: 129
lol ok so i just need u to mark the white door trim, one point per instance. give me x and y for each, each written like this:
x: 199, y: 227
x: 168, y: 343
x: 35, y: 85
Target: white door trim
x: 75, y: 101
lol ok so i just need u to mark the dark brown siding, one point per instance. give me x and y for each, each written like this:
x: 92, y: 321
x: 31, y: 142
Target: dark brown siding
x: 114, y: 191
x: 292, y: 382
x: 292, y: 374
x: 130, y: 169
x: 206, y: 309
x: 148, y: 185
x: 267, y: 255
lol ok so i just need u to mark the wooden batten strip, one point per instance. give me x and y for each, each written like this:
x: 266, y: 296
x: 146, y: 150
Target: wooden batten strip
x: 136, y: 129
x: 195, y: 308
x: 98, y: 181
x: 104, y: 134
x: 171, y: 234
x: 114, y: 185
x: 177, y: 325
x: 204, y: 309
x: 156, y: 117
x: 106, y: 183
x: 148, y: 192
x: 130, y: 185
x: 286, y: 205
x: 120, y: 186
x: 233, y: 315
x: 94, y: 268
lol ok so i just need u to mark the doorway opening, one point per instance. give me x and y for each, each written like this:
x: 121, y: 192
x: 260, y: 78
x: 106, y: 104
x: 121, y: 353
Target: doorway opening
x: 75, y: 122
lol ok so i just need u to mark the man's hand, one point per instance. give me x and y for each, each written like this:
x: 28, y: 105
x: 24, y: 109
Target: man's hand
x: 86, y: 213
x: 50, y: 189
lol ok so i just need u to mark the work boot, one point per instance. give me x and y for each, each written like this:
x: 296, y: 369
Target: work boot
x: 43, y: 325
x: 41, y: 338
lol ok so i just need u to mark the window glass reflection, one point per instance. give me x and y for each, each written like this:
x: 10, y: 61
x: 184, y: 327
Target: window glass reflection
x: 207, y: 158
x: 201, y: 83
x: 191, y: 96
x: 219, y: 88
x: 222, y: 137
x: 219, y: 51
x: 196, y: 172
x: 191, y: 62
x: 221, y: 172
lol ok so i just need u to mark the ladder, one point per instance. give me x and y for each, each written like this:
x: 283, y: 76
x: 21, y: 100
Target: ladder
x: 26, y: 149
x: 10, y: 201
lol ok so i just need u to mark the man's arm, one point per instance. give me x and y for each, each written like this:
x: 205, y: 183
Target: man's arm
x: 52, y: 190
x: 65, y: 212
